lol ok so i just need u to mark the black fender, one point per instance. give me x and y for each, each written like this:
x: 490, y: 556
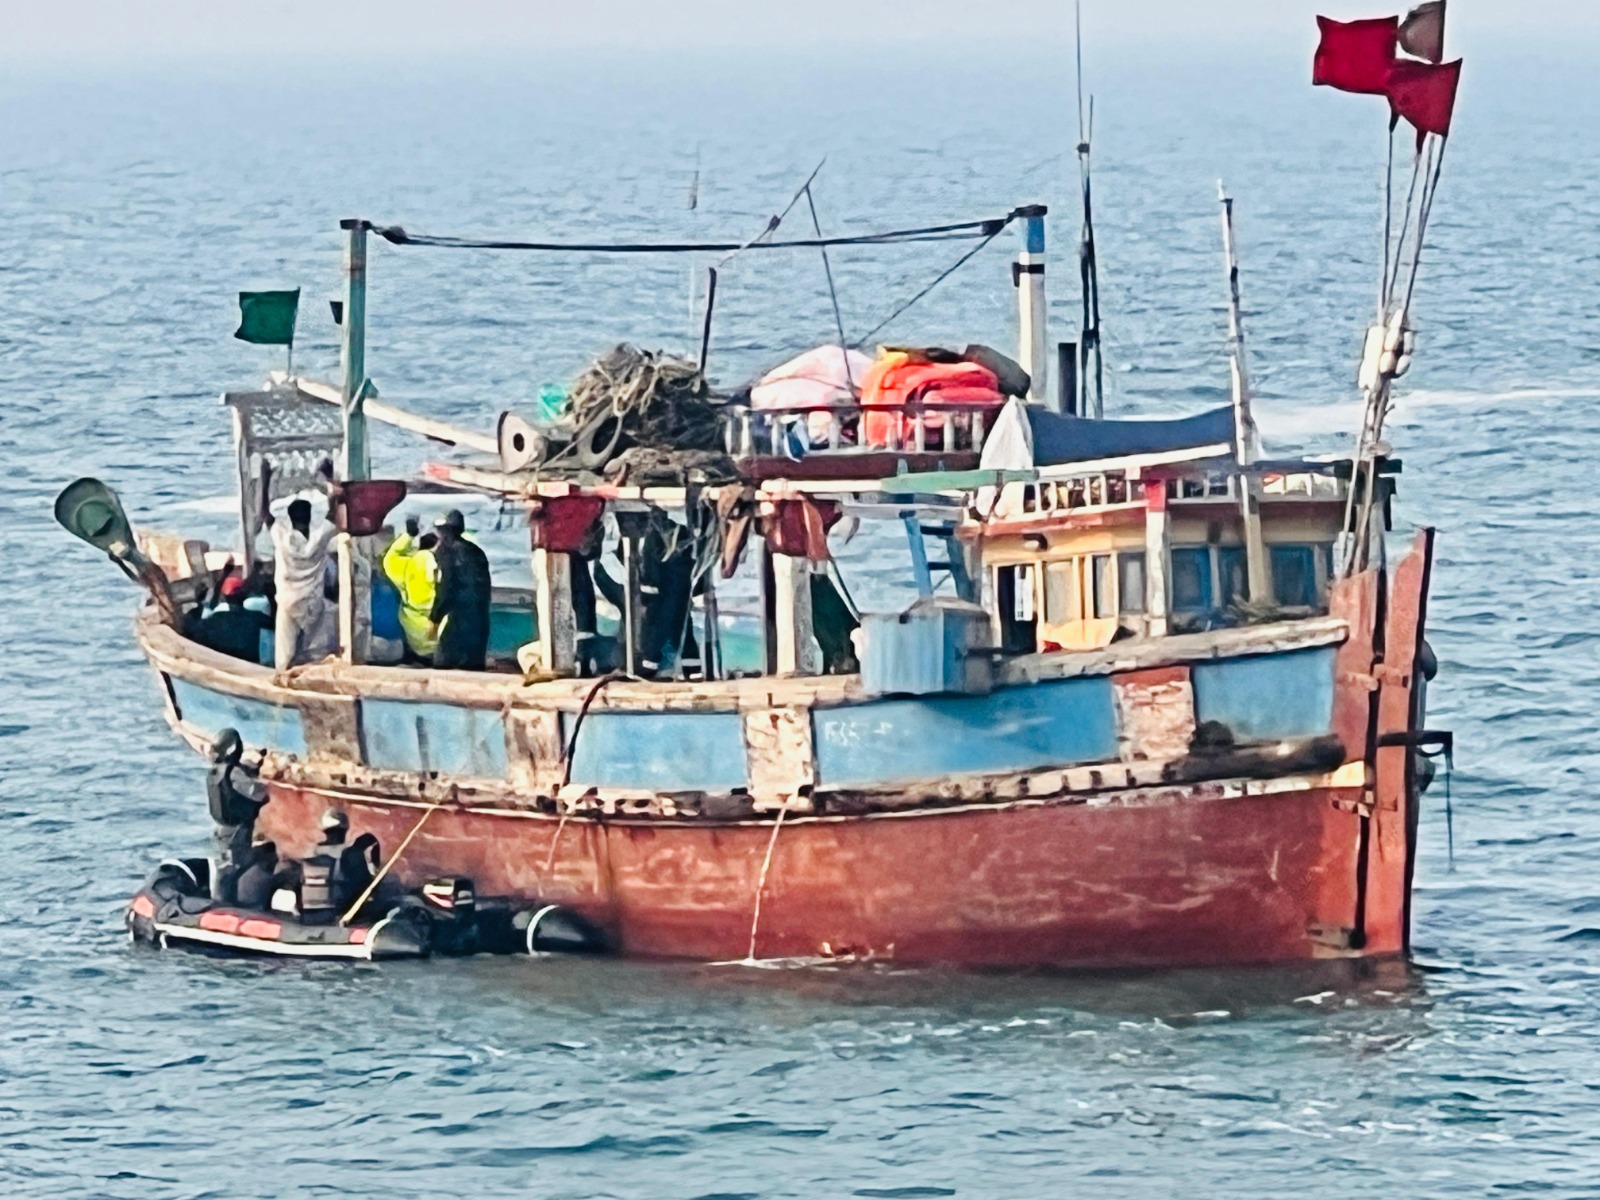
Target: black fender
x: 553, y: 929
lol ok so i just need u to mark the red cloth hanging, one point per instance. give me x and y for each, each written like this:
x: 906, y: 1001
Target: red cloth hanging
x: 1356, y: 56
x: 564, y: 523
x: 362, y: 504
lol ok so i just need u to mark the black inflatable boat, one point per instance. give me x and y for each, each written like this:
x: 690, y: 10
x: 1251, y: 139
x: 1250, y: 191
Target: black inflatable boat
x: 443, y: 917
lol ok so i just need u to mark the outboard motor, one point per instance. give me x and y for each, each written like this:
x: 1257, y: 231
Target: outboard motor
x: 455, y: 896
x: 553, y: 929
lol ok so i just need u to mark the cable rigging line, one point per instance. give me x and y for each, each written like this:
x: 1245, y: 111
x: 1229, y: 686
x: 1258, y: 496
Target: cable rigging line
x: 956, y: 231
x: 948, y: 271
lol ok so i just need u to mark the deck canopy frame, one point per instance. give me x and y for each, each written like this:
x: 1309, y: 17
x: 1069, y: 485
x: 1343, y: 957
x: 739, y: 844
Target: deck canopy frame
x: 287, y: 430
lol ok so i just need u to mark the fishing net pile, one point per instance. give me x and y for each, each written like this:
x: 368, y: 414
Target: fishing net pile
x: 631, y: 397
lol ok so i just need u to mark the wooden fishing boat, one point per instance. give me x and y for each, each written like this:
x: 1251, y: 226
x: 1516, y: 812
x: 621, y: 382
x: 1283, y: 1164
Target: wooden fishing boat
x: 1161, y: 702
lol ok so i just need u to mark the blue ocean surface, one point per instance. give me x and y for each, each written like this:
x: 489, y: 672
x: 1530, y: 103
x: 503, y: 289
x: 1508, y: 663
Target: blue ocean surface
x: 135, y: 204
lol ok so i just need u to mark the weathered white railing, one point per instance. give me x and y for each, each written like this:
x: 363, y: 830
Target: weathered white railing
x: 911, y: 428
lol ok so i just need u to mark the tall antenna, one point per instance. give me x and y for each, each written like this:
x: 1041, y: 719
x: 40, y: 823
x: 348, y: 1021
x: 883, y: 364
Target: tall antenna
x: 1088, y: 266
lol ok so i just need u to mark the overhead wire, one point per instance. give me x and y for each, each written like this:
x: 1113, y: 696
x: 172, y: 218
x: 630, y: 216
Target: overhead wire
x: 945, y: 274
x: 955, y: 231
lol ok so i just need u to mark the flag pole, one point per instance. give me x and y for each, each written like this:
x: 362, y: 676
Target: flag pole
x: 1088, y: 267
x: 1388, y: 221
x: 355, y: 561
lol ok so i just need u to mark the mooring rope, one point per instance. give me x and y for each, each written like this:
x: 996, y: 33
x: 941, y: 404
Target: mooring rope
x: 383, y: 870
x: 761, y: 883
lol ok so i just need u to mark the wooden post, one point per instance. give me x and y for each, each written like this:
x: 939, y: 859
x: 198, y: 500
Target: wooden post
x: 797, y: 650
x: 1257, y: 572
x: 355, y: 554
x: 1033, y: 343
x: 1157, y: 557
x: 354, y: 559
x: 1244, y: 426
x: 630, y: 604
x: 353, y: 351
x: 557, y: 639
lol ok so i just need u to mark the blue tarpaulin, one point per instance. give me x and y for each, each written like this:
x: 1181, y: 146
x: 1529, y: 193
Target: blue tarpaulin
x: 1059, y: 439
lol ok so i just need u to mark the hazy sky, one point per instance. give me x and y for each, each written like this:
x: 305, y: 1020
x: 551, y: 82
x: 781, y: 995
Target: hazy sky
x: 132, y: 31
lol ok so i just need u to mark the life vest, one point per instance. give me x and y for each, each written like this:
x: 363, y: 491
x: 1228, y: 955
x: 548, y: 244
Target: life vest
x: 415, y: 575
x: 318, y: 889
x: 897, y: 379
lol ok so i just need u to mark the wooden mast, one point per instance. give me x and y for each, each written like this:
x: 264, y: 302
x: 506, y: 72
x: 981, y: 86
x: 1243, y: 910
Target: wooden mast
x: 1245, y: 437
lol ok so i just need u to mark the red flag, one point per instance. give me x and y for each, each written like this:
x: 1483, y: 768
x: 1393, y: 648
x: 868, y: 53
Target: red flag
x: 1422, y: 32
x: 1425, y: 94
x: 1355, y: 56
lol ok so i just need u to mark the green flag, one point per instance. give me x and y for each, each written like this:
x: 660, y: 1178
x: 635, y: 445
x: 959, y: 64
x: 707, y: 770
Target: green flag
x: 267, y: 318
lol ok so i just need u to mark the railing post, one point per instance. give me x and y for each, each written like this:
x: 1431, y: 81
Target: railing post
x: 1157, y: 557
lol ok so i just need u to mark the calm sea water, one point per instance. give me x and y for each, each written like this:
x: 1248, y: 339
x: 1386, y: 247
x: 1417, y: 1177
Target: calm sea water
x: 133, y: 208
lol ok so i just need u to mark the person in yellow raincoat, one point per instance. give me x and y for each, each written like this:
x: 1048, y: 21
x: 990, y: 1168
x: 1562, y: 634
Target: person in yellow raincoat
x: 410, y: 566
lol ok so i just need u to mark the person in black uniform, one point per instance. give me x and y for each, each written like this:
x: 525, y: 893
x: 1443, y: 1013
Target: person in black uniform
x: 260, y: 881
x: 235, y: 797
x: 461, y: 606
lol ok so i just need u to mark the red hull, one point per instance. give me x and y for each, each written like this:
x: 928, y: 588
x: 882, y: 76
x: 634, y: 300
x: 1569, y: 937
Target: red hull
x: 1252, y: 879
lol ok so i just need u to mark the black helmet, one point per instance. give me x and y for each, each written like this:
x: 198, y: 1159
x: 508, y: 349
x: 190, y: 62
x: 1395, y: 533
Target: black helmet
x: 227, y: 746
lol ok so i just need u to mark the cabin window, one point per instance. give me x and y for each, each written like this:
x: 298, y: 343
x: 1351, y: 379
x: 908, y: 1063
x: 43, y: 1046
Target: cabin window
x: 1191, y: 579
x: 1105, y: 587
x: 1294, y: 576
x: 1130, y: 583
x: 1061, y: 592
x: 1233, y: 575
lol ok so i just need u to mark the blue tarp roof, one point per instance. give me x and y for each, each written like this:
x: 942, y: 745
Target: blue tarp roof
x: 1059, y: 439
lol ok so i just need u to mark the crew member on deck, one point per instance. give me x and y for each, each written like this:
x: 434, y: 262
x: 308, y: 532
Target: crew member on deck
x: 409, y: 564
x: 235, y: 796
x: 305, y: 625
x: 229, y: 626
x: 461, y: 610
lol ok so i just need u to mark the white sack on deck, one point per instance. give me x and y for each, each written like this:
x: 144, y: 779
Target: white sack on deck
x: 826, y: 377
x: 1008, y: 447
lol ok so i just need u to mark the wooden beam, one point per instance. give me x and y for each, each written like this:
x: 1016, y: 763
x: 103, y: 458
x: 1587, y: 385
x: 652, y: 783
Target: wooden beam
x: 438, y: 431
